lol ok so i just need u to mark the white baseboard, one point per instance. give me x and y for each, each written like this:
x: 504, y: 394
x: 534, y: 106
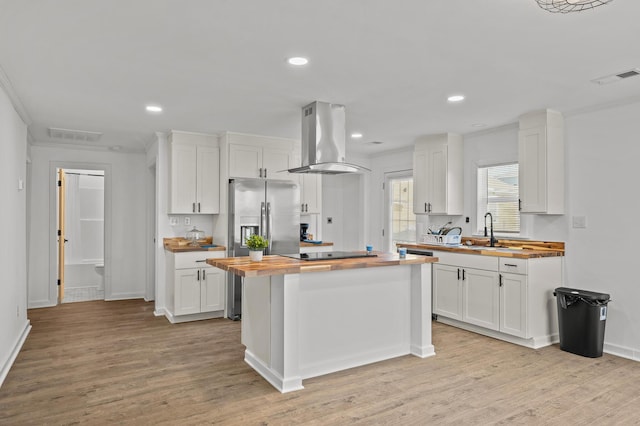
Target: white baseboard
x: 125, y: 296
x: 14, y: 352
x: 622, y: 351
x: 176, y: 319
x: 34, y: 304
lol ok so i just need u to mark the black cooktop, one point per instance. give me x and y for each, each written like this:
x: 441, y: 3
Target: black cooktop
x: 329, y: 255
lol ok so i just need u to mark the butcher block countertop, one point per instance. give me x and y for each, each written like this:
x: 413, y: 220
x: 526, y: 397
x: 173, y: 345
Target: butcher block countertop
x: 280, y: 265
x: 322, y: 244
x: 180, y: 245
x: 519, y: 249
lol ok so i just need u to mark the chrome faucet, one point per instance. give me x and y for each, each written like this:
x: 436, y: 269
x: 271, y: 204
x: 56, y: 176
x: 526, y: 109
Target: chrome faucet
x: 492, y: 240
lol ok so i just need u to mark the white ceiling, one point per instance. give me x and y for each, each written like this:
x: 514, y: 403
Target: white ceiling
x: 219, y: 65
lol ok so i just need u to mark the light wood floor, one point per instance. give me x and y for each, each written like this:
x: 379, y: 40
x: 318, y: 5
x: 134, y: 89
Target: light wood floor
x: 114, y: 362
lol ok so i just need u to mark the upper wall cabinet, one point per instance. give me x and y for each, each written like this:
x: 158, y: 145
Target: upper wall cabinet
x: 195, y: 173
x: 264, y: 157
x: 541, y: 158
x: 310, y: 194
x: 437, y: 175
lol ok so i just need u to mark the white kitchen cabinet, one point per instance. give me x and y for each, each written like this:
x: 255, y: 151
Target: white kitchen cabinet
x: 438, y: 175
x: 447, y: 291
x: 253, y: 156
x: 310, y: 194
x: 507, y: 298
x: 541, y: 162
x: 196, y: 289
x: 194, y: 174
x: 481, y: 298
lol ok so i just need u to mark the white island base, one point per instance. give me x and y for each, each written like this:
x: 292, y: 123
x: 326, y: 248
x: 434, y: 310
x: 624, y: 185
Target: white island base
x: 297, y: 326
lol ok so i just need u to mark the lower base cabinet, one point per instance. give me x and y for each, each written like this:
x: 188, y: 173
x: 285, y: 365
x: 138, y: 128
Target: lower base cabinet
x: 502, y: 296
x: 195, y: 290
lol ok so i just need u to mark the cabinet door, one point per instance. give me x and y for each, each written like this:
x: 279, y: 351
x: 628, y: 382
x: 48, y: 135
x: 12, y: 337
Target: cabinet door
x: 187, y: 291
x: 212, y: 290
x: 208, y: 180
x: 481, y: 298
x: 437, y: 179
x: 245, y: 161
x: 183, y: 178
x: 311, y: 194
x: 420, y: 182
x: 447, y: 291
x: 532, y: 157
x: 513, y: 305
x: 276, y: 162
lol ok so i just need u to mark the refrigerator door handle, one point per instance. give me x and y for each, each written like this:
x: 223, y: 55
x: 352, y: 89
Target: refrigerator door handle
x: 268, y: 233
x: 263, y: 217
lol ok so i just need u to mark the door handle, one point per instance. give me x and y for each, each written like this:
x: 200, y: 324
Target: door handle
x: 425, y: 207
x: 204, y: 277
x: 193, y: 208
x: 463, y: 276
x: 265, y: 172
x: 500, y: 280
x: 198, y: 275
x: 198, y: 207
x: 458, y: 274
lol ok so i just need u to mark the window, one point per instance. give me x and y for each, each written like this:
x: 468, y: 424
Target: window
x: 401, y: 220
x: 498, y: 194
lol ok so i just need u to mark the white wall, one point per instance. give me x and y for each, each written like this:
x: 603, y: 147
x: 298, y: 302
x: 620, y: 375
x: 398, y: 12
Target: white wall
x: 14, y: 325
x: 602, y: 152
x: 124, y: 255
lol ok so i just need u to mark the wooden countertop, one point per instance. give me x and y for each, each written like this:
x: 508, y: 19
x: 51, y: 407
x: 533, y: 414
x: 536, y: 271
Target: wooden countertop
x: 280, y: 265
x: 180, y: 245
x: 506, y: 248
x: 322, y: 244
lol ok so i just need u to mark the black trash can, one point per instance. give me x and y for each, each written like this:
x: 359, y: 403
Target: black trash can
x: 581, y: 319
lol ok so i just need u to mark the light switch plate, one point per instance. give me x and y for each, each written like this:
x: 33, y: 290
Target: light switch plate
x: 187, y: 220
x: 579, y: 221
x: 173, y: 221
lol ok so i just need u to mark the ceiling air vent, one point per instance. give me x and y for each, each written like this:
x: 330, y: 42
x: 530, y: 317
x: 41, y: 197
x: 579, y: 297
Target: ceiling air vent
x: 74, y: 135
x: 617, y: 77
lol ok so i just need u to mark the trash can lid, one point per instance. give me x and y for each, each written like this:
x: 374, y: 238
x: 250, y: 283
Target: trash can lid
x: 589, y: 295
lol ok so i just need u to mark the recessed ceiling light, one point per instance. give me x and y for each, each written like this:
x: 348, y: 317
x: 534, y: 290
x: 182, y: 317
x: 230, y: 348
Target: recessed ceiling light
x: 356, y: 135
x: 154, y: 108
x: 478, y: 125
x: 298, y: 61
x: 455, y: 98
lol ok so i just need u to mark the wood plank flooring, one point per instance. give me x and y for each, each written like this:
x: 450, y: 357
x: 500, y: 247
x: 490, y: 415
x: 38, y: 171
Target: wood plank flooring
x: 99, y: 363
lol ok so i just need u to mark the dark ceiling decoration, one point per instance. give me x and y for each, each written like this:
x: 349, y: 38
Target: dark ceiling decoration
x: 566, y: 6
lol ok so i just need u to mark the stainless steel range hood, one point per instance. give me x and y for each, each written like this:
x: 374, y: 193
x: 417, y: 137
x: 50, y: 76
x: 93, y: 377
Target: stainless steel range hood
x: 323, y: 141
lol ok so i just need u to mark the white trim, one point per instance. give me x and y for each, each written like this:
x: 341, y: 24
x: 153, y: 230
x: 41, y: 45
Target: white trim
x: 271, y: 376
x: 177, y: 319
x: 5, y: 83
x: 622, y: 351
x: 533, y: 343
x: 124, y: 296
x: 14, y: 352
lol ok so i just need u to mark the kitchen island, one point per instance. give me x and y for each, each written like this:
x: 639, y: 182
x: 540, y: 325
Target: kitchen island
x: 304, y: 319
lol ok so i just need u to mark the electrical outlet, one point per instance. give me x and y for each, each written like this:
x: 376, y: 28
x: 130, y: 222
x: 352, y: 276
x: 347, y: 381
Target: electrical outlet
x: 187, y: 220
x: 466, y: 219
x: 329, y: 220
x: 173, y: 221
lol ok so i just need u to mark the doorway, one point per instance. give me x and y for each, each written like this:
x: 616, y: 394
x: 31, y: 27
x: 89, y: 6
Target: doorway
x: 80, y: 233
x: 400, y: 221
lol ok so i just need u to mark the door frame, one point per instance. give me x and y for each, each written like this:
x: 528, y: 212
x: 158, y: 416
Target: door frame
x: 53, y: 224
x: 388, y: 176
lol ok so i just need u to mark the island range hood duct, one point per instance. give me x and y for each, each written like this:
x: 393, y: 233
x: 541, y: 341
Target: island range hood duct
x: 323, y: 141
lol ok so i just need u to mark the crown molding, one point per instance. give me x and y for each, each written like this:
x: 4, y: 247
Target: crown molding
x: 5, y: 83
x: 100, y: 148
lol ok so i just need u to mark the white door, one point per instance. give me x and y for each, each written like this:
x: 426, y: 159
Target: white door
x: 183, y: 178
x: 208, y: 181
x: 481, y: 298
x: 447, y: 291
x: 437, y: 179
x: 245, y: 161
x: 420, y: 182
x: 311, y: 193
x: 212, y: 290
x: 513, y: 304
x: 275, y: 163
x: 187, y: 291
x: 532, y: 153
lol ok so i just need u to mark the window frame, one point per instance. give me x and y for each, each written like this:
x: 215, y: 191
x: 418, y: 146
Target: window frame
x: 388, y: 225
x: 481, y: 210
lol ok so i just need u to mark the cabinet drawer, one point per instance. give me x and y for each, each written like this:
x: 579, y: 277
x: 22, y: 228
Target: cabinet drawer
x: 196, y: 259
x: 488, y: 263
x: 514, y: 266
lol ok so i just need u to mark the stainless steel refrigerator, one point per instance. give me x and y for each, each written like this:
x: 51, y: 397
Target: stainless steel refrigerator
x: 270, y: 208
